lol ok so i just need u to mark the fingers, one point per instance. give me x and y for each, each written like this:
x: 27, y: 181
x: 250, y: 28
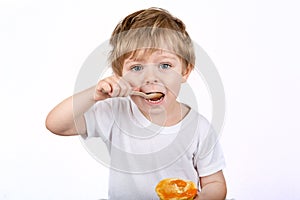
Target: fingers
x: 197, y: 196
x: 124, y: 88
x: 112, y: 86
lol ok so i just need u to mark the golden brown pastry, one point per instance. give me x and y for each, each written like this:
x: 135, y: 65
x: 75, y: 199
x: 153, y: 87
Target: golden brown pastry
x: 176, y: 189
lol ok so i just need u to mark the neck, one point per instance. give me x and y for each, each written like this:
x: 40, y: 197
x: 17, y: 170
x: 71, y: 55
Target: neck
x: 170, y: 117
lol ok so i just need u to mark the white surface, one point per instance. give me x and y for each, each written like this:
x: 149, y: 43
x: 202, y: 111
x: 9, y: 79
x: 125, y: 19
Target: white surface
x: 254, y: 45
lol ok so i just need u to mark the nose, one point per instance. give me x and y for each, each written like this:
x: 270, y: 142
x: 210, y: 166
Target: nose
x: 151, y: 81
x: 150, y: 75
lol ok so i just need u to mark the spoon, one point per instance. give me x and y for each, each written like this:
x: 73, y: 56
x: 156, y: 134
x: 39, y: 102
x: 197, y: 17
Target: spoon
x: 154, y: 95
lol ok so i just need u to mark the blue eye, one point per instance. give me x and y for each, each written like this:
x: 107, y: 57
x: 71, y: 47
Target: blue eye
x: 136, y: 68
x: 164, y: 66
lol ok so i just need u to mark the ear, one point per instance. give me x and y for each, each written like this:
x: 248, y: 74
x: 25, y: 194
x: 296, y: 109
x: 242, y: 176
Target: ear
x: 186, y: 73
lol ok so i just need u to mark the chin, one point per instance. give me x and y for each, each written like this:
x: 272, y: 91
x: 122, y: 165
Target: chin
x: 153, y: 110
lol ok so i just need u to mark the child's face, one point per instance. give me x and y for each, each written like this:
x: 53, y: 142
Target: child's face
x: 160, y: 71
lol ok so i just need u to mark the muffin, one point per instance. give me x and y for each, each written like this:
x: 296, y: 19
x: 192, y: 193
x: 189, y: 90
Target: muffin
x: 176, y: 189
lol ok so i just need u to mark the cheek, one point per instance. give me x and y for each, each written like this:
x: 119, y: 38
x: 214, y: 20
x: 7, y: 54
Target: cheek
x: 133, y: 79
x: 173, y: 84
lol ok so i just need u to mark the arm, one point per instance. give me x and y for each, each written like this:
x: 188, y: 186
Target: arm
x: 213, y: 187
x: 67, y: 118
x: 64, y: 119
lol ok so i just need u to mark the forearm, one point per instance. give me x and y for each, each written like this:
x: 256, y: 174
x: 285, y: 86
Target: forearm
x: 67, y: 118
x: 213, y: 191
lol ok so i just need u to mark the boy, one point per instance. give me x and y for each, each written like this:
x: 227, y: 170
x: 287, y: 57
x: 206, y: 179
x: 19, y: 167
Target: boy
x: 148, y: 139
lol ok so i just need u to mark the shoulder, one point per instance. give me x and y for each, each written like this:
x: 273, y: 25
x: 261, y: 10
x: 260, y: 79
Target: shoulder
x: 195, y: 117
x: 200, y: 125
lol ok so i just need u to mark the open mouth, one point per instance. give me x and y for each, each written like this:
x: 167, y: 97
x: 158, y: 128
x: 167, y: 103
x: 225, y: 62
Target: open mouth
x: 157, y: 97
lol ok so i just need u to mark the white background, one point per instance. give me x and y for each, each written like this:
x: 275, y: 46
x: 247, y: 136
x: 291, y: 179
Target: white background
x: 254, y: 45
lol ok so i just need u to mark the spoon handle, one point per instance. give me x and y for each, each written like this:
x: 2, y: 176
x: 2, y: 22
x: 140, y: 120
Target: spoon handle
x: 142, y: 94
x: 137, y: 93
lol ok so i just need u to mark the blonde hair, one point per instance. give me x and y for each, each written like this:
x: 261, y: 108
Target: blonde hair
x: 150, y: 30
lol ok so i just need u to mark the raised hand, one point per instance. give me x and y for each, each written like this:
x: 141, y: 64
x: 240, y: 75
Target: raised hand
x: 112, y: 86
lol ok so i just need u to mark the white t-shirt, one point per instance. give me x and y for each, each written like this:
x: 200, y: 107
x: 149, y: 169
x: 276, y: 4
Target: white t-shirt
x: 143, y: 153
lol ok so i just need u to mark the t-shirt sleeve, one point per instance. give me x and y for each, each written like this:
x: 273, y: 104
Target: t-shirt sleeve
x: 99, y: 120
x: 209, y: 157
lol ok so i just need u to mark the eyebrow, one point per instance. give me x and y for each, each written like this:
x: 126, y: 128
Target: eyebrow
x: 141, y: 59
x: 131, y: 61
x: 172, y: 57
